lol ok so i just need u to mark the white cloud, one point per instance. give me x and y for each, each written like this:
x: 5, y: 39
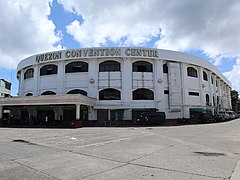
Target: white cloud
x: 210, y: 26
x: 25, y: 30
x: 234, y: 75
x: 121, y: 22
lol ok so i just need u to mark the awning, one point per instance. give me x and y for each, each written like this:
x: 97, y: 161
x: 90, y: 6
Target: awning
x: 112, y: 107
x: 197, y: 110
x: 48, y: 100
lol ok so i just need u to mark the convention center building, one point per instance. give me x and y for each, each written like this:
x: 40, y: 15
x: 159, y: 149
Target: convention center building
x: 105, y: 85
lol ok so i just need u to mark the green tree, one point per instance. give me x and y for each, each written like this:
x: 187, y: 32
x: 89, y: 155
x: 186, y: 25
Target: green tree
x: 235, y: 100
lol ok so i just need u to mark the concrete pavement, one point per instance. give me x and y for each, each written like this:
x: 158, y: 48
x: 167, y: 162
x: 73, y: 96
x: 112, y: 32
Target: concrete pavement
x: 203, y: 151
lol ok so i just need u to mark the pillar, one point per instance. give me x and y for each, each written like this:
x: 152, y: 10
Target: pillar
x: 78, y: 111
x: 201, y: 95
x: 1, y: 112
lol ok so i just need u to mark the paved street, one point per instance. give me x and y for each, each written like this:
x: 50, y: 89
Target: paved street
x: 206, y: 151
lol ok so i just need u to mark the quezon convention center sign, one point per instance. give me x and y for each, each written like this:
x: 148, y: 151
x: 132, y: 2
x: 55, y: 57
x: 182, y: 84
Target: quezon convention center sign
x: 97, y: 52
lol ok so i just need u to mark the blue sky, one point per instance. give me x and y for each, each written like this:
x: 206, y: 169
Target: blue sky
x: 209, y: 30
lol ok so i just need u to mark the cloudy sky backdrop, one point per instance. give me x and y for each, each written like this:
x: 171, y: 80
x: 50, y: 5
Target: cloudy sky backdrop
x: 208, y: 29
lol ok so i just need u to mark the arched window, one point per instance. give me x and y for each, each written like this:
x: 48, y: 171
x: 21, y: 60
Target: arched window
x: 205, y: 76
x: 29, y: 94
x: 192, y: 72
x: 143, y: 94
x: 77, y: 91
x: 165, y: 68
x: 48, y: 93
x: 29, y: 73
x: 142, y: 66
x: 207, y: 99
x: 107, y: 66
x: 18, y: 74
x: 212, y: 79
x: 78, y: 66
x: 109, y: 94
x: 214, y: 103
x: 48, y: 69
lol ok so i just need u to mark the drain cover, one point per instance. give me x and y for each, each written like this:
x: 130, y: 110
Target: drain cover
x: 210, y: 153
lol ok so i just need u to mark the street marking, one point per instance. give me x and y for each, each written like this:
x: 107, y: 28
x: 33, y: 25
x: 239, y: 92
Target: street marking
x: 105, y: 142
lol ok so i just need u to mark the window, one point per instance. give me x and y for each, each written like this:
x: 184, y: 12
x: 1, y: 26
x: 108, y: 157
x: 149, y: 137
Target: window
x: 48, y: 93
x: 109, y: 94
x: 192, y: 72
x: 205, y: 77
x: 207, y: 99
x: 216, y: 83
x: 214, y: 104
x: 29, y: 94
x: 193, y: 93
x: 18, y: 74
x: 48, y: 69
x: 218, y: 100
x: 7, y: 95
x: 143, y: 94
x: 212, y: 79
x: 77, y: 91
x: 165, y: 68
x: 142, y: 66
x: 28, y: 73
x: 78, y: 66
x: 166, y: 91
x: 107, y: 66
x: 8, y: 85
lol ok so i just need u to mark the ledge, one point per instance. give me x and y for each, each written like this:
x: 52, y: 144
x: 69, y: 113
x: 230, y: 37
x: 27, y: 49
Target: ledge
x: 48, y: 100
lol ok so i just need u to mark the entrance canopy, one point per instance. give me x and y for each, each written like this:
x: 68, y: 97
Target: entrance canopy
x: 48, y: 110
x: 48, y: 100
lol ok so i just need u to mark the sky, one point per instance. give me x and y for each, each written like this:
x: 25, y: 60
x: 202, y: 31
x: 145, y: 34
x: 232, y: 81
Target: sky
x: 207, y: 29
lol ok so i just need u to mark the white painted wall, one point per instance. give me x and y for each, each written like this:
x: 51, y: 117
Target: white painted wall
x: 126, y: 81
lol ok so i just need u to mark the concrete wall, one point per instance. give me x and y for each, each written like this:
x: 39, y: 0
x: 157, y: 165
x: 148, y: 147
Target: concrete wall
x: 176, y: 104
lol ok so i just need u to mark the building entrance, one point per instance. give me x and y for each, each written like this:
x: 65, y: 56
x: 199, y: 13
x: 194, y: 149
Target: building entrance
x: 45, y: 117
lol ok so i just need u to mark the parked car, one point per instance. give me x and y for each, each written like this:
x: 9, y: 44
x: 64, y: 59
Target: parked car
x: 153, y: 118
x: 225, y: 115
x: 231, y: 114
x: 206, y: 117
x: 236, y: 115
x: 219, y: 117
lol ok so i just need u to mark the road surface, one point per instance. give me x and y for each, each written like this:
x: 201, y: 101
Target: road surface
x: 203, y: 151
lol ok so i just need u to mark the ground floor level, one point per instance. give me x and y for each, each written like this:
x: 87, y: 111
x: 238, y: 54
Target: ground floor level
x: 78, y: 110
x: 71, y: 115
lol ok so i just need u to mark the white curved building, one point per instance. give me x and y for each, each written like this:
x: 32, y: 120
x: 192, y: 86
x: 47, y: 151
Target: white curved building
x: 116, y: 84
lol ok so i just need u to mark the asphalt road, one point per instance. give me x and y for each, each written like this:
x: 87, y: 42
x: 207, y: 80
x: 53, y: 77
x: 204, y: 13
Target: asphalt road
x: 207, y: 151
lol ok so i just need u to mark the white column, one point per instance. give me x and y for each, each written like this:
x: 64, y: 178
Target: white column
x: 159, y: 85
x: 201, y: 95
x: 1, y: 112
x: 57, y: 112
x: 21, y: 84
x: 61, y: 78
x: 36, y: 80
x: 183, y: 70
x: 78, y: 111
x: 126, y: 81
x: 90, y: 113
x: 93, y: 78
x: 185, y: 111
x: 109, y: 114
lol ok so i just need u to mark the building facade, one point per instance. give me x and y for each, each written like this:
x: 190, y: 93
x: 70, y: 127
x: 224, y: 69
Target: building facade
x: 5, y: 88
x: 108, y: 84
